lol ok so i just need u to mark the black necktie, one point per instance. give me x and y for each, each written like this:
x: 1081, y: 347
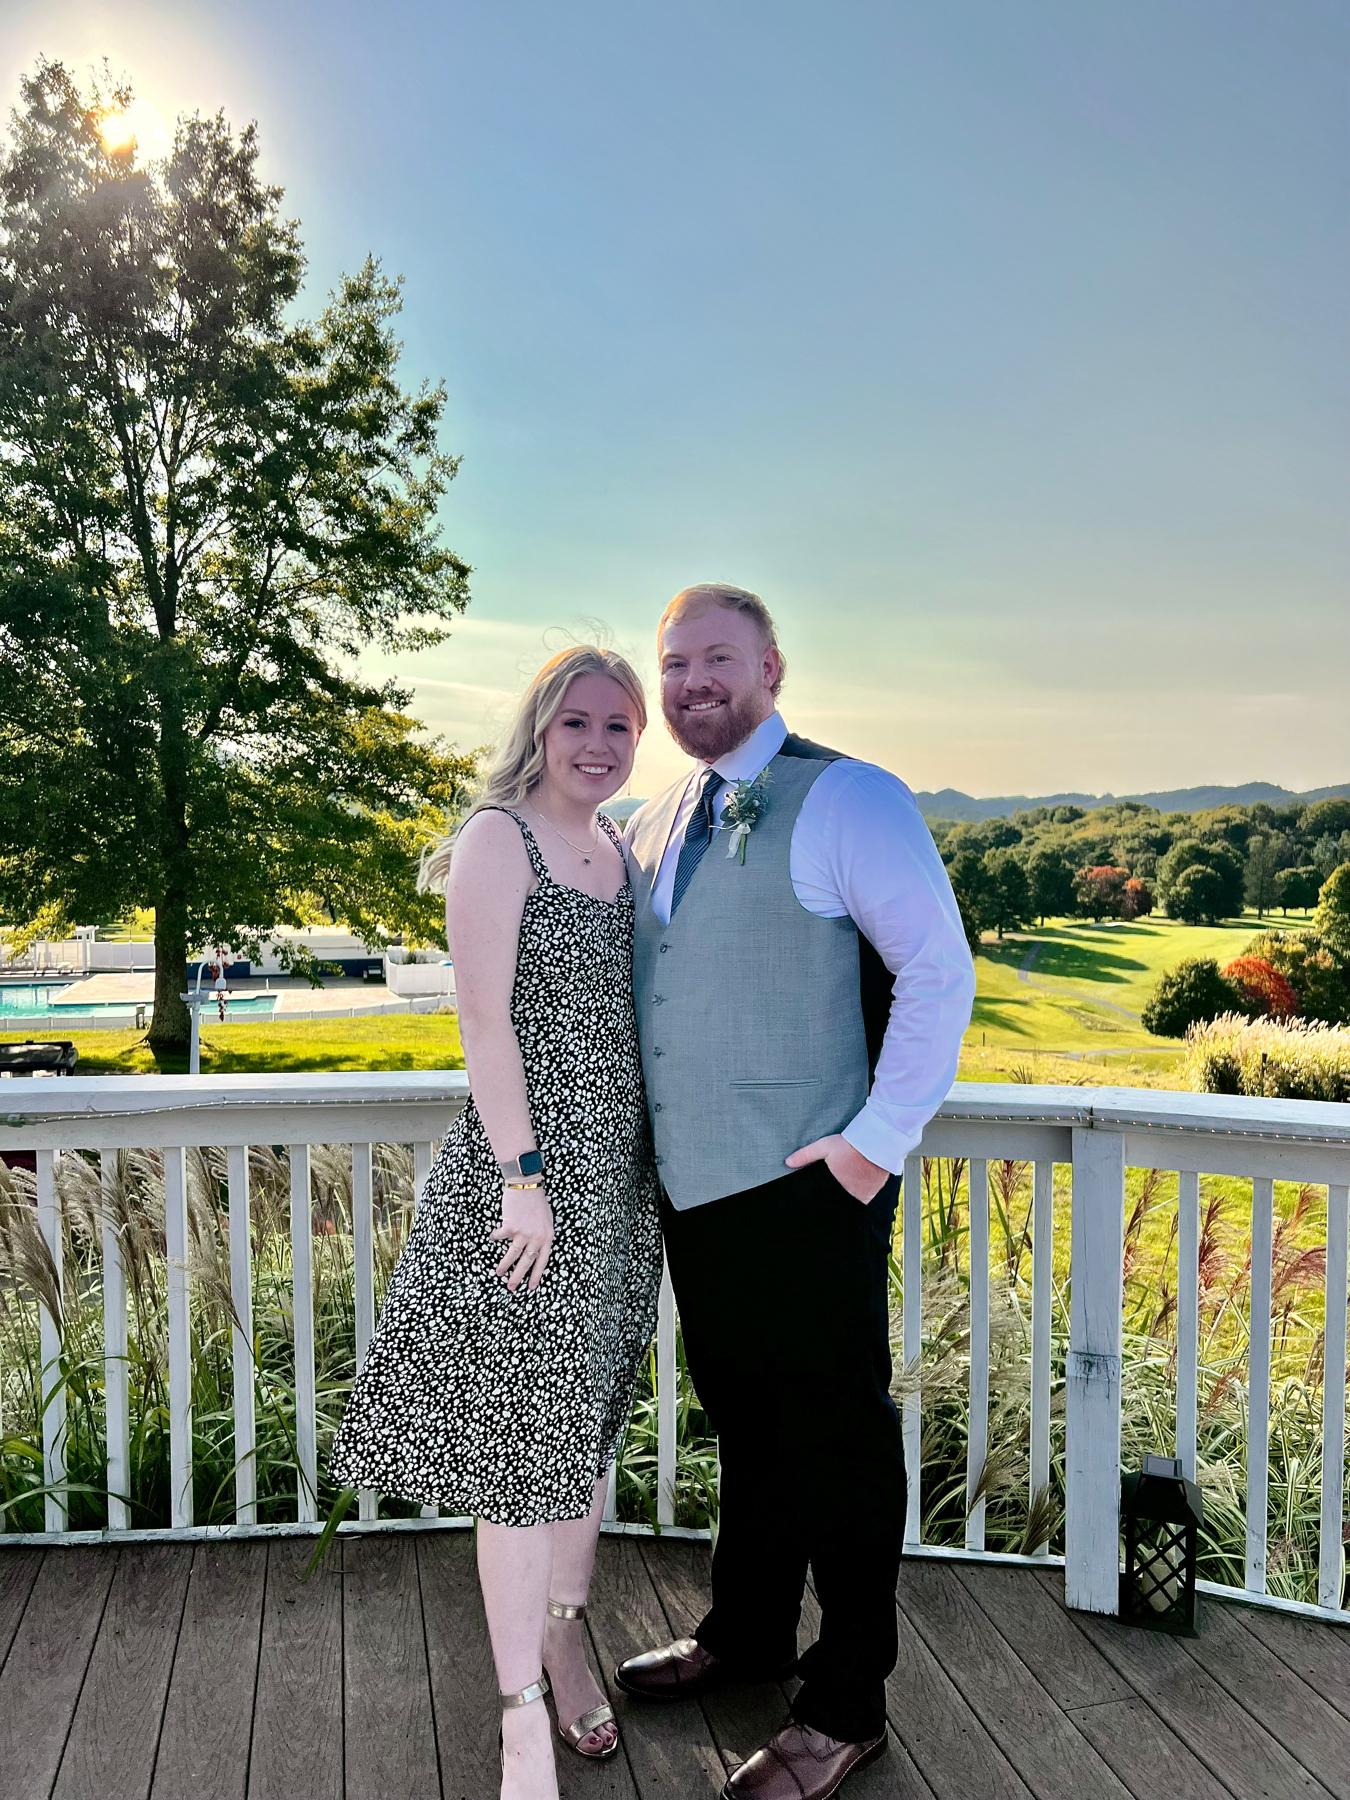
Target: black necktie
x: 697, y: 836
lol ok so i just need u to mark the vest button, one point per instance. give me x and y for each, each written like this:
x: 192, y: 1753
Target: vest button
x: 659, y: 1161
x: 664, y: 948
x: 658, y: 999
x: 658, y: 1051
x: 656, y: 1106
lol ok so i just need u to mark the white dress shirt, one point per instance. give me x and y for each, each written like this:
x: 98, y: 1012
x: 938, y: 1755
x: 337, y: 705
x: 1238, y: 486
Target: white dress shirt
x: 860, y: 847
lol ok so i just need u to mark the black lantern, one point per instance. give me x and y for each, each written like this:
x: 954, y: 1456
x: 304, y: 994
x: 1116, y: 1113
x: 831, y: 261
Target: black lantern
x: 1160, y: 1515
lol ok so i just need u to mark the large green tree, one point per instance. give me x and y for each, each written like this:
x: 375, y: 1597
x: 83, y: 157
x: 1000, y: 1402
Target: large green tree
x: 210, y: 507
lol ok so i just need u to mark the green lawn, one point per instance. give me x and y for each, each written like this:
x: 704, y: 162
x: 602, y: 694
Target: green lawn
x: 1086, y: 985
x: 382, y: 1041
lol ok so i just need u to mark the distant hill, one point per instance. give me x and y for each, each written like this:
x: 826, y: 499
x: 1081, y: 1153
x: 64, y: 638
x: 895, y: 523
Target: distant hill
x: 950, y: 803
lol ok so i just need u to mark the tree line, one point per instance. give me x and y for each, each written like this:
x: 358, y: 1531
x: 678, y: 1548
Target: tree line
x: 1124, y: 860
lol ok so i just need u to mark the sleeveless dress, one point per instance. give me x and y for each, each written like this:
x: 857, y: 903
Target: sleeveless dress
x: 509, y: 1405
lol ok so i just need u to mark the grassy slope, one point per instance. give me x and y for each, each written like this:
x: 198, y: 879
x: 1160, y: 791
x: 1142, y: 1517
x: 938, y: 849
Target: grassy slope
x: 1088, y: 983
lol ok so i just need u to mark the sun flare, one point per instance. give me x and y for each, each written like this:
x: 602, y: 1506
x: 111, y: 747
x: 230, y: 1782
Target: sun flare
x: 139, y: 125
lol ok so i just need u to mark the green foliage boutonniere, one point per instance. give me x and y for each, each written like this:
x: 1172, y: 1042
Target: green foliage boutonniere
x: 745, y: 801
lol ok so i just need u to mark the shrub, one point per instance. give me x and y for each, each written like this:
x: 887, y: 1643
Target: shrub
x: 1269, y: 994
x: 1300, y: 1059
x: 1197, y: 896
x: 1187, y: 995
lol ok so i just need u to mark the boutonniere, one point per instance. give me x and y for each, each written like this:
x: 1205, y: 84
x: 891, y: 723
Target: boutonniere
x: 745, y: 802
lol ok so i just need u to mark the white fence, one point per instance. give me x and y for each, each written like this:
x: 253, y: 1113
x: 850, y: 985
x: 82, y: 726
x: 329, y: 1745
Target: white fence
x: 1097, y: 1133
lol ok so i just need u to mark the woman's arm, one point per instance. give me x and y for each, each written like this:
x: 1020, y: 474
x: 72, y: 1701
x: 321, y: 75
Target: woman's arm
x: 490, y: 878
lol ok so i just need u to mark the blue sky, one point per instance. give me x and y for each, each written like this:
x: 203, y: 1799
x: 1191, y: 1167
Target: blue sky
x: 1002, y: 348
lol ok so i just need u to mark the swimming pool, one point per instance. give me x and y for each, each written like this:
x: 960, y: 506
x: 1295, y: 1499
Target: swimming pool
x: 45, y: 997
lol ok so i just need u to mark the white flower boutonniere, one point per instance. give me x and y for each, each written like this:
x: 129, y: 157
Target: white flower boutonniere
x: 745, y: 802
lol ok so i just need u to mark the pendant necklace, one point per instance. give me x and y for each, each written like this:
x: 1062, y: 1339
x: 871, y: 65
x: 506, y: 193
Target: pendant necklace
x: 585, y: 855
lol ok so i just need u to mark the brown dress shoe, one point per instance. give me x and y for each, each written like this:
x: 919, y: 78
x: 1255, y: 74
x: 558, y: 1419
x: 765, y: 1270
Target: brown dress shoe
x: 684, y: 1669
x: 800, y: 1764
x: 677, y: 1671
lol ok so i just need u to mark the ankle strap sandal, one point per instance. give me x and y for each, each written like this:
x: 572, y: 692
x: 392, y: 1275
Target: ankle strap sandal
x: 572, y: 1735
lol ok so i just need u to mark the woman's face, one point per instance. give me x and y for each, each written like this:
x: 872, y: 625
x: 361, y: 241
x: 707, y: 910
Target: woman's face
x: 590, y: 744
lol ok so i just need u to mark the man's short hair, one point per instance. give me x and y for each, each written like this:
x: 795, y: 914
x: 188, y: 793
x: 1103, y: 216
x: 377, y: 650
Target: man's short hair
x: 735, y: 599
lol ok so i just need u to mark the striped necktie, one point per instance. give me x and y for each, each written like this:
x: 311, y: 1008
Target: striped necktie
x: 697, y: 836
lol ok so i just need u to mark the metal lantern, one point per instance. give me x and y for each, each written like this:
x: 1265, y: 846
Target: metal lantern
x: 1160, y: 1515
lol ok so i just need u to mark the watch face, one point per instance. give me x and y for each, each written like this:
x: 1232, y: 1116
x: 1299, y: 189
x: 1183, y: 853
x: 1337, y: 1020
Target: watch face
x: 532, y: 1163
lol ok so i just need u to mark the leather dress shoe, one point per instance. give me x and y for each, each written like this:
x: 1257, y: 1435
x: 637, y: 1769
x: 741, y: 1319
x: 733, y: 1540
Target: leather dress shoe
x: 682, y: 1670
x: 798, y: 1763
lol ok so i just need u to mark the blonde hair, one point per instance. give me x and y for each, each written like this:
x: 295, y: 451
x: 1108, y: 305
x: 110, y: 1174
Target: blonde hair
x: 735, y: 599
x: 518, y: 763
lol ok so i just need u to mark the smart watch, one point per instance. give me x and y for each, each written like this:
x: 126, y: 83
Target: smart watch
x: 529, y: 1163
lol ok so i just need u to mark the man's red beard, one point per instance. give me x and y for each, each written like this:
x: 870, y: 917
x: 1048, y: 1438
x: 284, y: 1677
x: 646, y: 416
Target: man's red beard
x: 713, y: 734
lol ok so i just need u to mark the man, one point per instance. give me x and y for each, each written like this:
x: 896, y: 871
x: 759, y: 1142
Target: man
x: 803, y: 983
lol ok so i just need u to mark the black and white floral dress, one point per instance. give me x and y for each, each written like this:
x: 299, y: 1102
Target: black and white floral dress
x: 509, y: 1405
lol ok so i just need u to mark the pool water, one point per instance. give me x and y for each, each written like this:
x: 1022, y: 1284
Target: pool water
x: 19, y: 997
x: 41, y: 997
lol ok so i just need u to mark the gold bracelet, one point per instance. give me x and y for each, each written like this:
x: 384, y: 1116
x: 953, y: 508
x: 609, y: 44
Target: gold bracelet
x: 519, y: 1187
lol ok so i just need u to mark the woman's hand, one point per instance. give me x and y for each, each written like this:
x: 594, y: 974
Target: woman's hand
x: 527, y: 1227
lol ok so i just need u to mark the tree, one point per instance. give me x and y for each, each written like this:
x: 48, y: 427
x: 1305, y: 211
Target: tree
x: 1197, y: 896
x: 1259, y: 876
x: 1008, y: 895
x: 1137, y: 901
x: 1331, y: 918
x: 1100, y: 891
x: 974, y: 896
x: 1267, y: 992
x: 1297, y: 887
x: 1320, y: 982
x: 208, y: 510
x: 1050, y: 878
x: 1329, y: 817
x: 1189, y: 994
x: 1222, y: 896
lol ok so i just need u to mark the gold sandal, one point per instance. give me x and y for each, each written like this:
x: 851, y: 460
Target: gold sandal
x: 573, y: 1734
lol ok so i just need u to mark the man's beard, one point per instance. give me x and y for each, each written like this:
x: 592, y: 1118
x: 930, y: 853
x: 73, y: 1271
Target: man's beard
x: 715, y: 733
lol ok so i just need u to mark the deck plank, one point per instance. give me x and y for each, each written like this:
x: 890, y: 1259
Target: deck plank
x: 1267, y: 1689
x: 1238, y: 1751
x: 1052, y: 1757
x: 1319, y: 1653
x: 1130, y: 1736
x: 43, y: 1674
x: 387, y: 1719
x: 670, y: 1749
x: 297, y: 1722
x: 1033, y: 1621
x: 208, y: 1718
x: 18, y: 1571
x: 115, y: 1731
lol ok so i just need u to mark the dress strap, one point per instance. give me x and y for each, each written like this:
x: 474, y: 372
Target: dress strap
x: 532, y: 849
x: 611, y: 831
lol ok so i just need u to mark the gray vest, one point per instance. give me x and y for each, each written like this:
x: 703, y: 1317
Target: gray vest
x: 748, y: 1006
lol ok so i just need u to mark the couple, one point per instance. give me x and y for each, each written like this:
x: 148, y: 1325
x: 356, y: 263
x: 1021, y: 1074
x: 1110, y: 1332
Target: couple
x: 725, y: 1031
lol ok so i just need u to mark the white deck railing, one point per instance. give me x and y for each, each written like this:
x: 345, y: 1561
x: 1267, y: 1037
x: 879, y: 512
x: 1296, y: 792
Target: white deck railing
x: 1097, y: 1133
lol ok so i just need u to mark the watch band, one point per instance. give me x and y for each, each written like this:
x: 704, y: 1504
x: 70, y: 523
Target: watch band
x: 529, y: 1162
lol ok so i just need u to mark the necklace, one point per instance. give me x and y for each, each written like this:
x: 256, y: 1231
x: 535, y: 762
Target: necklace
x: 585, y: 855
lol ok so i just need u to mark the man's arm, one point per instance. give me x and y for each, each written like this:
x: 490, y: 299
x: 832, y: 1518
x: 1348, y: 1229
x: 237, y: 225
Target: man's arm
x: 871, y: 855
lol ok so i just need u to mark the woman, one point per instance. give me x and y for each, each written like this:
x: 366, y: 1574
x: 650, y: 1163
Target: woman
x: 501, y: 1372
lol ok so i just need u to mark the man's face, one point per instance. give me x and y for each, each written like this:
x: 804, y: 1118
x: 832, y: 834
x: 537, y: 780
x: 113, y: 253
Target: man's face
x: 717, y: 677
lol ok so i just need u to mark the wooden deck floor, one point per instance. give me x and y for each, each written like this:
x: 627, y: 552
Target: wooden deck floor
x: 207, y: 1672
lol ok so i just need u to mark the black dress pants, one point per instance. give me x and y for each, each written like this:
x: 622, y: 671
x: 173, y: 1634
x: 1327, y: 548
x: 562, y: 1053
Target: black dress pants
x: 783, y: 1301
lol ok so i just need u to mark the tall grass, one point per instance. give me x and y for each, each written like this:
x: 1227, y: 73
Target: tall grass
x: 1016, y: 1519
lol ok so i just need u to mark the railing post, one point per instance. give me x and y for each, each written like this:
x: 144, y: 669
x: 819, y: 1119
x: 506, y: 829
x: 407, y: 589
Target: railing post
x: 1092, y: 1373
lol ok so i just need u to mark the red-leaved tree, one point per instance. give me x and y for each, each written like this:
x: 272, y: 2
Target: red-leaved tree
x: 1269, y: 992
x: 1137, y: 900
x: 1100, y: 891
